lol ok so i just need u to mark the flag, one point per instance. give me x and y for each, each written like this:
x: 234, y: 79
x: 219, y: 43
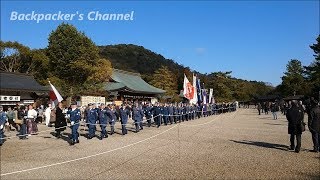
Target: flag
x: 188, y: 89
x: 210, y: 95
x: 194, y: 100
x: 55, y: 96
x: 204, y: 93
x: 199, y: 93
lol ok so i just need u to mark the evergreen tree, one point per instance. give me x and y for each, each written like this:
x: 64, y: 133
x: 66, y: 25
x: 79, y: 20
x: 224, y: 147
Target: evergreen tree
x: 74, y: 61
x: 293, y: 82
x: 313, y: 70
x: 164, y: 79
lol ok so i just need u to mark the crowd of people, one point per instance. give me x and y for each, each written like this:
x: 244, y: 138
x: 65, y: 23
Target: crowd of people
x: 294, y: 111
x: 25, y: 120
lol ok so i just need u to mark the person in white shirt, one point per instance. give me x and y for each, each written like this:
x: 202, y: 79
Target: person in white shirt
x: 47, y: 114
x: 31, y: 123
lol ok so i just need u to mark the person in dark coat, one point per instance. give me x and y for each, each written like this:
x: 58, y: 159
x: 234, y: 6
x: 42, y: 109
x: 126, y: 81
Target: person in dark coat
x: 171, y: 112
x: 295, y: 118
x: 147, y: 112
x: 22, y: 114
x: 60, y: 123
x: 103, y: 120
x: 124, y: 114
x: 165, y: 114
x: 259, y: 108
x: 136, y: 116
x: 273, y: 109
x: 157, y: 112
x: 314, y: 125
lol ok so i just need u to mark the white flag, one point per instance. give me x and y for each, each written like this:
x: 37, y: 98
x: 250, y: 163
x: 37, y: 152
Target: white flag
x: 210, y: 95
x: 55, y: 96
x: 194, y: 100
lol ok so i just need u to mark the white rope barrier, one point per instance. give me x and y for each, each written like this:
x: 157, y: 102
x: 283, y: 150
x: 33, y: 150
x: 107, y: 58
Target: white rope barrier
x: 98, y: 154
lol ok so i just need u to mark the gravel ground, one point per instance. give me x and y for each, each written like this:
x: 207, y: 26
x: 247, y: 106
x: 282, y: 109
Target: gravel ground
x: 238, y: 145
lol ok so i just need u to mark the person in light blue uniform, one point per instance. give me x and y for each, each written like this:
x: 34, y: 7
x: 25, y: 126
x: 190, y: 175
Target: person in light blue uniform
x: 124, y: 114
x: 92, y: 116
x: 75, y: 117
x: 103, y: 121
x: 3, y: 120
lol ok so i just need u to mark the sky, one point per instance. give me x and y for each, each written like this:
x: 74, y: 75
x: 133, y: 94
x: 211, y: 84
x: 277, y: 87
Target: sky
x: 253, y: 39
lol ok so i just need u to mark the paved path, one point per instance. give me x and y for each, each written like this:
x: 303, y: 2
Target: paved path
x: 239, y: 145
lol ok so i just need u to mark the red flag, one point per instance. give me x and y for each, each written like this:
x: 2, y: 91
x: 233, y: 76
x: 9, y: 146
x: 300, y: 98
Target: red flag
x: 55, y: 96
x: 188, y: 89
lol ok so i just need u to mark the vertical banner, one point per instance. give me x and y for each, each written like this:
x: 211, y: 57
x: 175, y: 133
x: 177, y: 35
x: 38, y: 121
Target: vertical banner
x: 194, y: 100
x: 187, y: 88
x: 205, y: 99
x: 199, y: 93
x: 210, y: 95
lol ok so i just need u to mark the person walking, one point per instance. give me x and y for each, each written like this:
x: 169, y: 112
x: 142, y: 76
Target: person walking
x: 295, y: 127
x: 47, y: 114
x: 3, y: 120
x: 91, y: 120
x: 259, y: 108
x: 103, y: 120
x: 60, y: 123
x: 11, y: 115
x: 31, y: 120
x: 75, y: 117
x: 124, y: 114
x: 273, y: 109
x: 22, y: 114
x: 314, y: 125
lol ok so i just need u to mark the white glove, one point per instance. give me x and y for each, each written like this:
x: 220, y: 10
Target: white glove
x: 72, y: 123
x: 13, y: 119
x: 1, y: 126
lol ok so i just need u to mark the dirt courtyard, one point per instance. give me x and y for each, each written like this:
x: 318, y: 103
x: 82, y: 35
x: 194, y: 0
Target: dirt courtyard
x: 238, y: 145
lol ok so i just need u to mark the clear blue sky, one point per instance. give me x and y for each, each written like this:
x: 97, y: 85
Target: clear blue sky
x: 253, y: 39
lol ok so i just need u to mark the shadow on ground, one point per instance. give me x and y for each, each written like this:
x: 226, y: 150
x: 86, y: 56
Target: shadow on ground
x: 275, y: 124
x: 263, y: 144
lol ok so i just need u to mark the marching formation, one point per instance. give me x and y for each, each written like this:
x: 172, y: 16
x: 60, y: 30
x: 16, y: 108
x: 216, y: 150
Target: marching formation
x: 106, y: 116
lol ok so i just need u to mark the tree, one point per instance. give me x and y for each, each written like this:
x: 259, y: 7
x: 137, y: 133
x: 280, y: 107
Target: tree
x: 313, y: 70
x: 14, y: 57
x: 74, y: 61
x: 40, y: 66
x: 293, y: 81
x: 164, y: 79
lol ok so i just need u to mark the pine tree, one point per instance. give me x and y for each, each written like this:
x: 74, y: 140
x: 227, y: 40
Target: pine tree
x: 164, y: 79
x: 74, y: 61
